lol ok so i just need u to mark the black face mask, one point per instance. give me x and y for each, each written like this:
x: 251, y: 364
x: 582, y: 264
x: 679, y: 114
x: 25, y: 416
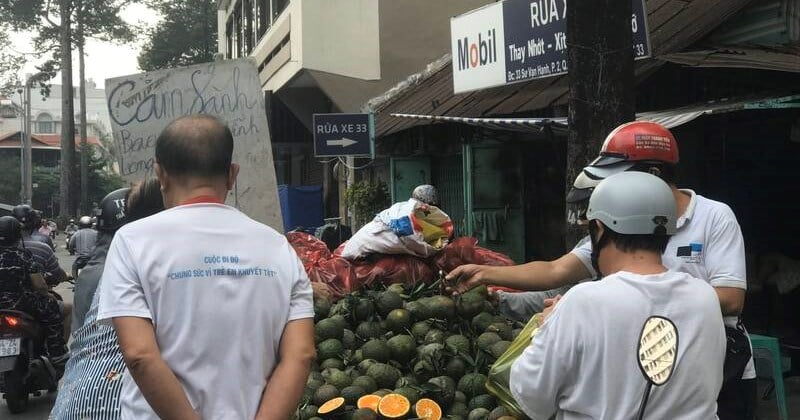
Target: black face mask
x: 597, y: 245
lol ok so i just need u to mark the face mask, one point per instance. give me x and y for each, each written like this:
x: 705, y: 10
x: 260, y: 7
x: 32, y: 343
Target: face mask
x: 597, y: 245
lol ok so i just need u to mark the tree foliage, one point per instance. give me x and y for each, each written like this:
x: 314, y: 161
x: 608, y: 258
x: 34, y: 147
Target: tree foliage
x: 10, y: 63
x: 101, y: 180
x: 187, y: 34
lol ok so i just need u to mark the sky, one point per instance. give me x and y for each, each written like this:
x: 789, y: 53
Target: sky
x: 103, y: 60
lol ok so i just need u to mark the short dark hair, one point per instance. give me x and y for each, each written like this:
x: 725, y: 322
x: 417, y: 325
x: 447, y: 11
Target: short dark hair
x: 668, y: 172
x: 144, y: 200
x: 196, y: 146
x: 632, y: 243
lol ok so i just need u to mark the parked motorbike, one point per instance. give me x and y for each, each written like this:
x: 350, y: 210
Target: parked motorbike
x: 24, y: 368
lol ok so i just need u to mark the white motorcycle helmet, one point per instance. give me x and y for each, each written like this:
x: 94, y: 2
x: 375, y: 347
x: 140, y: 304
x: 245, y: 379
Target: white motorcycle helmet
x: 634, y: 203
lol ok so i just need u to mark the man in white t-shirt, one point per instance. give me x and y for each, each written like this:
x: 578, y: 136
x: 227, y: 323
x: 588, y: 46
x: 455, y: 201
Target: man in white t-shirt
x: 582, y: 363
x: 213, y: 310
x: 708, y: 245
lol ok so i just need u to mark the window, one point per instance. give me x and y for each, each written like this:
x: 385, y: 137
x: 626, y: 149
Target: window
x: 278, y: 6
x: 229, y: 40
x: 248, y: 31
x: 262, y: 12
x: 44, y: 124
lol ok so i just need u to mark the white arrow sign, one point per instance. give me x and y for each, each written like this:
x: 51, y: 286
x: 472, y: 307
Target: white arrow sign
x: 344, y: 142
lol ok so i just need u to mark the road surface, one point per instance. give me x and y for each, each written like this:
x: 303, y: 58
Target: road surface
x: 40, y: 406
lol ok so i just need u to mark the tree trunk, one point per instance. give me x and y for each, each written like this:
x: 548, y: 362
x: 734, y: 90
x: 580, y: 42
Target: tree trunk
x: 67, y: 111
x: 84, y: 149
x: 601, y: 78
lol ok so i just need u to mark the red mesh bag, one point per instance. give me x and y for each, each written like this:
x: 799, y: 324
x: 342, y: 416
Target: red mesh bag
x: 390, y: 269
x: 338, y: 251
x: 465, y: 250
x: 337, y: 273
x: 311, y: 250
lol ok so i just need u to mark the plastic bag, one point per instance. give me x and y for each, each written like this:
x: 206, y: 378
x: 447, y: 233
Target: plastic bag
x: 411, y: 228
x: 500, y: 373
x: 390, y: 269
x: 310, y: 249
x: 337, y: 273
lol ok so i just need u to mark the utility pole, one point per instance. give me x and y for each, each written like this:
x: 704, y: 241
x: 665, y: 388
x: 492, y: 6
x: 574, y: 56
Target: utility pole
x: 601, y: 81
x: 84, y: 206
x: 66, y: 202
x: 27, y: 159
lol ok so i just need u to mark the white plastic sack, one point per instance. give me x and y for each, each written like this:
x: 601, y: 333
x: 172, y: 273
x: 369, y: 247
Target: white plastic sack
x: 410, y: 227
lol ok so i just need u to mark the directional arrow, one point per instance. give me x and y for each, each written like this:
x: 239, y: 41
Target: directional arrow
x: 344, y: 142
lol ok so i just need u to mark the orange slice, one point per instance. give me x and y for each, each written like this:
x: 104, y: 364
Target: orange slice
x: 394, y: 406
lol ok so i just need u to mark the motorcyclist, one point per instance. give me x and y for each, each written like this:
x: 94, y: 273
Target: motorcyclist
x: 22, y: 288
x: 71, y: 228
x: 44, y: 256
x: 82, y: 243
x: 31, y: 221
x: 111, y: 218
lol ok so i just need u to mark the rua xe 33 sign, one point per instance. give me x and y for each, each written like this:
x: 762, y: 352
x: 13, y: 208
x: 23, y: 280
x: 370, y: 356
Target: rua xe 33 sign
x: 519, y: 40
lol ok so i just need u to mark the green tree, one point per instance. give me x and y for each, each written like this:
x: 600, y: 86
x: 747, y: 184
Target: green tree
x: 54, y: 22
x: 10, y: 182
x: 187, y: 34
x: 10, y: 63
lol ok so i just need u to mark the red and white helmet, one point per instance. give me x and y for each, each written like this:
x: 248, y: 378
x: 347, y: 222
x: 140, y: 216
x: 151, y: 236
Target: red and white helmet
x: 638, y: 141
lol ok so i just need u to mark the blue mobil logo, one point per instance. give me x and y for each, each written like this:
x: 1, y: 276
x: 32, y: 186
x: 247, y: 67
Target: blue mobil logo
x: 477, y: 51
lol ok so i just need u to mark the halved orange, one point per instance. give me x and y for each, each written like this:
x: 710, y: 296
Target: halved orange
x: 369, y: 401
x: 394, y: 406
x: 331, y: 406
x: 427, y: 409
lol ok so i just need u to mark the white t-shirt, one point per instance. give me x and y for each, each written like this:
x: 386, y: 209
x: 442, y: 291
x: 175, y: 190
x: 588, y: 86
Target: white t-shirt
x: 583, y: 362
x: 708, y: 245
x: 219, y: 288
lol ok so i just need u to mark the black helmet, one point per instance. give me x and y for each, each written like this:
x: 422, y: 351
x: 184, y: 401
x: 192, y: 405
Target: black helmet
x: 112, y: 210
x: 10, y: 231
x: 26, y: 215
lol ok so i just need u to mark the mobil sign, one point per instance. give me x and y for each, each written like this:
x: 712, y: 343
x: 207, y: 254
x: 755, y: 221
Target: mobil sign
x: 477, y: 44
x: 514, y: 41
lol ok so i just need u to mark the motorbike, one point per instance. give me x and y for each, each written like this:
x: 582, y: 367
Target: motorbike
x: 24, y: 368
x: 66, y: 243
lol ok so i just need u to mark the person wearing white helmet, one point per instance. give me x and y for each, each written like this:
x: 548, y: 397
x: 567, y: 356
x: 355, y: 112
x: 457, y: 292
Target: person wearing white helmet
x: 708, y: 245
x: 581, y: 362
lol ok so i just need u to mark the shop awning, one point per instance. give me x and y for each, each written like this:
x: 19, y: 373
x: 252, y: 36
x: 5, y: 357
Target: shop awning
x: 668, y: 118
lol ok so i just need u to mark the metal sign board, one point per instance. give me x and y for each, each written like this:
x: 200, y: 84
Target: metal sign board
x: 528, y: 41
x: 344, y: 135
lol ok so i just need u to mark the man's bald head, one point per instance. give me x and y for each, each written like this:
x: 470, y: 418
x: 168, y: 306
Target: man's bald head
x: 195, y: 146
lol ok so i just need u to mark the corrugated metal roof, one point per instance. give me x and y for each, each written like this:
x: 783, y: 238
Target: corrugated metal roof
x: 674, y: 25
x: 763, y: 58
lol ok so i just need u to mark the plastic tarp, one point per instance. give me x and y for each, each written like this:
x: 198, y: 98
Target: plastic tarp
x: 301, y: 206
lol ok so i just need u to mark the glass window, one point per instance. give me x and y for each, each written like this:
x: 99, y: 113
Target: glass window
x: 229, y: 40
x: 264, y: 21
x: 248, y: 29
x: 44, y: 124
x: 278, y: 6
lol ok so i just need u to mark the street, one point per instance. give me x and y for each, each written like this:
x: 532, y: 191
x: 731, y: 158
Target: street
x: 40, y: 406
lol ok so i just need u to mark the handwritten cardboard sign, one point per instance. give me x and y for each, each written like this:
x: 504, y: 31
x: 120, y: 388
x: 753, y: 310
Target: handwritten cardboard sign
x: 142, y: 105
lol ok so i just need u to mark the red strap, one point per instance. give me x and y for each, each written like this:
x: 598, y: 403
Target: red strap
x: 202, y: 199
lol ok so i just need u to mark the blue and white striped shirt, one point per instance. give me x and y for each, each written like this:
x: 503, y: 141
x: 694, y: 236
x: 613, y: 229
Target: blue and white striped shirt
x: 93, y: 375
